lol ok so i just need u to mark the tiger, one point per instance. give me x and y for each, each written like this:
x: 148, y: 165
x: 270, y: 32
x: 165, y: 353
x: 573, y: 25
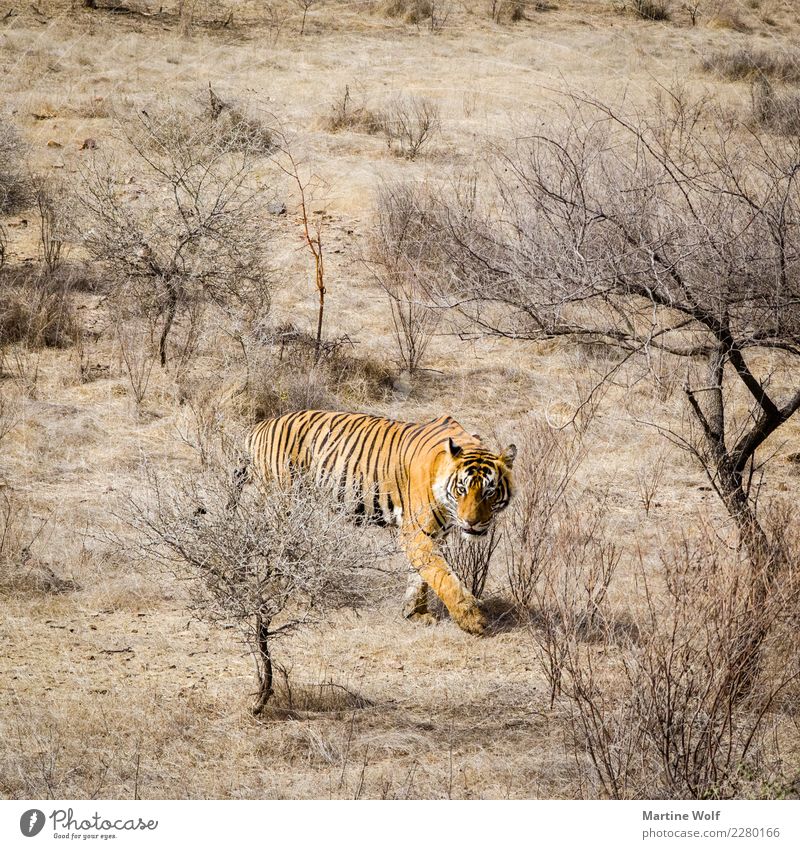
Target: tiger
x: 426, y: 479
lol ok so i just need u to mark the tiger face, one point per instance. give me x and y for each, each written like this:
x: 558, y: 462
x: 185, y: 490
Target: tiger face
x: 478, y: 487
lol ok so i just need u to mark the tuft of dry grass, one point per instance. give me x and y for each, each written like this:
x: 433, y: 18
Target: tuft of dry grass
x: 285, y: 375
x: 651, y: 10
x: 776, y: 110
x: 742, y: 63
x: 345, y: 115
x: 37, y: 310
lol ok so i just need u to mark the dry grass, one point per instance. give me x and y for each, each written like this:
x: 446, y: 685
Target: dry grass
x: 744, y: 63
x: 37, y: 310
x: 109, y: 688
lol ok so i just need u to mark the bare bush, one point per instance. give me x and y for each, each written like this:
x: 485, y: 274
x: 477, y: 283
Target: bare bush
x: 433, y: 13
x: 201, y: 426
x: 3, y: 246
x: 137, y: 357
x: 266, y: 560
x: 305, y: 7
x: 22, y: 569
x: 236, y: 129
x: 650, y: 478
x: 410, y: 123
x: 10, y: 413
x: 277, y: 15
x: 414, y: 322
x: 403, y: 259
x: 682, y: 723
x: 54, y: 222
x: 544, y: 475
x: 508, y: 11
x: 557, y: 252
x: 692, y: 9
x: 312, y: 234
x: 200, y: 234
x: 571, y: 586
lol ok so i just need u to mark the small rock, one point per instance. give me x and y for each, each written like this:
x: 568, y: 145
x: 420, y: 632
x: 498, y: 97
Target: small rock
x: 276, y: 207
x: 89, y: 144
x: 54, y: 143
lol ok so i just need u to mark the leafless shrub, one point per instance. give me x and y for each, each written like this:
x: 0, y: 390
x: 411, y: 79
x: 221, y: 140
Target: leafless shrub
x: 345, y: 115
x: 312, y: 233
x: 742, y: 63
x: 185, y: 13
x: 439, y: 15
x: 305, y: 7
x: 470, y: 559
x: 692, y: 9
x: 508, y: 11
x: 138, y: 358
x: 512, y: 11
x: 544, y: 474
x: 414, y: 321
x: 410, y: 11
x: 14, y: 188
x: 778, y: 111
x: 199, y: 235
x: 10, y: 413
x: 404, y: 261
x: 728, y: 16
x: 683, y: 724
x: 410, y: 123
x: 568, y: 261
x: 54, y: 221
x: 200, y: 427
x: 266, y: 560
x: 276, y: 16
x: 649, y: 478
x: 571, y: 587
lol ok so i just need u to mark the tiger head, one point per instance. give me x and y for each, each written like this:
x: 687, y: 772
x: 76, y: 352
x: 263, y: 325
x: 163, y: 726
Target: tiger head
x: 478, y: 487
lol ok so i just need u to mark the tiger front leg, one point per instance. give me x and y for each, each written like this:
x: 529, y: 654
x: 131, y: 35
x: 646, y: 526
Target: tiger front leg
x: 433, y: 570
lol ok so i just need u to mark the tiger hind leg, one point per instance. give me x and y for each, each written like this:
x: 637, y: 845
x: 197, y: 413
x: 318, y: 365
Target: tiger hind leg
x: 415, y: 604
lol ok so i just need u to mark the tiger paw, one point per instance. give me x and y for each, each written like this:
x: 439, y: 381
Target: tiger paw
x: 470, y: 618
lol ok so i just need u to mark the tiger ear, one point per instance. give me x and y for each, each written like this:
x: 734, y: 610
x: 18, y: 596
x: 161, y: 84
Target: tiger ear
x: 452, y: 449
x: 508, y: 456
